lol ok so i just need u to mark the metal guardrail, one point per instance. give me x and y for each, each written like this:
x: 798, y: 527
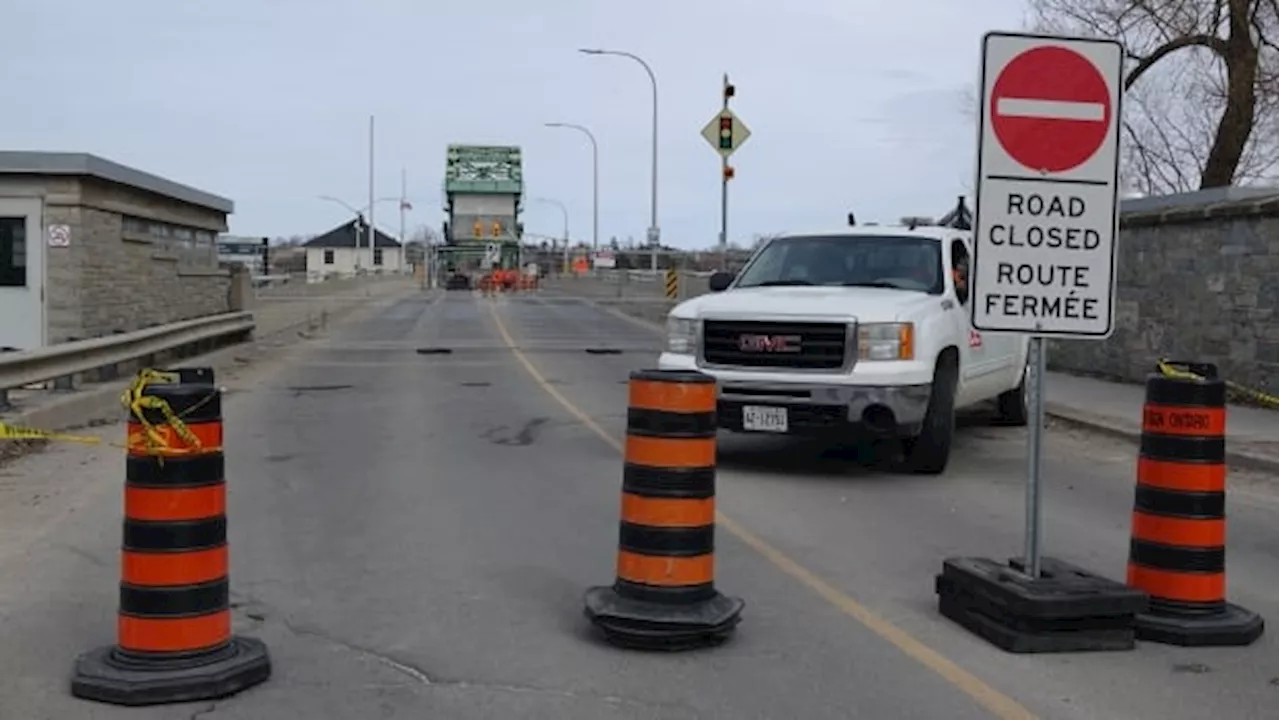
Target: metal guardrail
x: 28, y: 367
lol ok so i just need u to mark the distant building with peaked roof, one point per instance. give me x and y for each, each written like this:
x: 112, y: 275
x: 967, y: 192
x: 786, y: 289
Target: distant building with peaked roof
x: 344, y: 252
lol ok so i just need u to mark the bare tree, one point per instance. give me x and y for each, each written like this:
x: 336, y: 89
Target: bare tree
x: 1200, y: 86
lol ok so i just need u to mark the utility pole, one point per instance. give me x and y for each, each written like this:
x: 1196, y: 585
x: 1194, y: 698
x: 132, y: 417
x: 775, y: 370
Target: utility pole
x: 403, y: 206
x: 403, y: 200
x: 372, y: 200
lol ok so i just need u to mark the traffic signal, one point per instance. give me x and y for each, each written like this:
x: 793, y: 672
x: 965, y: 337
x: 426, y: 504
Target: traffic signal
x: 728, y: 90
x: 477, y: 230
x: 266, y: 256
x: 726, y: 132
x: 497, y: 229
x: 728, y: 172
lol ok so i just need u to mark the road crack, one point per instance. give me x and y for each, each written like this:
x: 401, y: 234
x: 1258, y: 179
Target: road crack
x: 421, y: 677
x: 404, y: 668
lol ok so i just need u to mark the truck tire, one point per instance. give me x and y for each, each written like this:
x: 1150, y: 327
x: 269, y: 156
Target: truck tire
x: 1012, y: 405
x: 928, y: 452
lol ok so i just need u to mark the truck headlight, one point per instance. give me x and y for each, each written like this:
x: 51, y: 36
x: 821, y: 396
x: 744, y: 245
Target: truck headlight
x: 886, y: 341
x: 681, y: 335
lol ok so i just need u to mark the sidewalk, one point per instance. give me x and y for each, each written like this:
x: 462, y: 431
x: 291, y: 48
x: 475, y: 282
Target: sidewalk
x: 282, y: 319
x: 1116, y: 408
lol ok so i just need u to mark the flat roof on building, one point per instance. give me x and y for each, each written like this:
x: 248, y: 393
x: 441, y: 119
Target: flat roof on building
x: 16, y: 162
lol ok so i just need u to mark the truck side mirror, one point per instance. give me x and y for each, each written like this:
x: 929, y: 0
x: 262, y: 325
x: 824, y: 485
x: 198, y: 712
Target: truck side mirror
x: 720, y: 280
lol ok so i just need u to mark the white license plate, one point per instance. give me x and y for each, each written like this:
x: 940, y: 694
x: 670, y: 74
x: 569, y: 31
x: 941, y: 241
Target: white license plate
x: 765, y: 419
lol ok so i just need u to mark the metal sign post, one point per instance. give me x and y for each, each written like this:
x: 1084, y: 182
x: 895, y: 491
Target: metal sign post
x: 1044, y: 237
x: 1046, y: 213
x: 725, y: 133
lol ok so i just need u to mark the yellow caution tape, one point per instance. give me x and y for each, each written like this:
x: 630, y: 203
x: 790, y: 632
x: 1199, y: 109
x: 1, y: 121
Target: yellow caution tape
x: 134, y: 399
x: 1170, y: 369
x: 16, y: 432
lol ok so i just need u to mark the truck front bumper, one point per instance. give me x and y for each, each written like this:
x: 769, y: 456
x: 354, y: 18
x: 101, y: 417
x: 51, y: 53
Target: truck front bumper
x: 817, y: 407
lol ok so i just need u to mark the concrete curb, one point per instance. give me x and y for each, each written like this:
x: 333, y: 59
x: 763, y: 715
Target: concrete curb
x: 1071, y: 416
x: 1082, y: 419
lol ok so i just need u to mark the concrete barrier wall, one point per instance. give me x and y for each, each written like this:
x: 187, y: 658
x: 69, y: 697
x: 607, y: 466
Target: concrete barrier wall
x: 304, y: 305
x: 1196, y: 280
x: 641, y: 300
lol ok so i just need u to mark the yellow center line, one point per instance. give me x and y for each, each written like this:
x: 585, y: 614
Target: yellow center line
x: 997, y: 703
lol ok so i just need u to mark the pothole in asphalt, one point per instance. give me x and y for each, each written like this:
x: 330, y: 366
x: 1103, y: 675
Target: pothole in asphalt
x: 299, y: 390
x: 603, y: 351
x: 317, y: 388
x: 524, y: 436
x: 478, y: 383
x: 435, y: 351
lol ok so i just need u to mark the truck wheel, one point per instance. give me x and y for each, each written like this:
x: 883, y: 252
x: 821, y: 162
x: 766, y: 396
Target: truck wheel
x: 928, y: 452
x: 1012, y: 405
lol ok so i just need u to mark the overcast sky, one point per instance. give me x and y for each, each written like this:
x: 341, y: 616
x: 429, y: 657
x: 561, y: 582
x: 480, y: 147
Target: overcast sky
x: 852, y: 104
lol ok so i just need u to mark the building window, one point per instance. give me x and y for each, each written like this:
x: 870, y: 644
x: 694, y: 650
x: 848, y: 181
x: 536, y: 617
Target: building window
x: 13, y: 252
x: 377, y: 256
x: 185, y: 237
x: 328, y: 257
x: 137, y: 226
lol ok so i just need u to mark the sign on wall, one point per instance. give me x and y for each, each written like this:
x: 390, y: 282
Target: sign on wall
x: 59, y: 236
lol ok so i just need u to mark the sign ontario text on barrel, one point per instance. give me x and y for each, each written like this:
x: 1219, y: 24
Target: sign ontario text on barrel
x: 1048, y: 176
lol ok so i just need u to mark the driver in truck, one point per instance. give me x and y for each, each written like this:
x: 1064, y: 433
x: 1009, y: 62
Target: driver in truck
x: 862, y: 330
x: 960, y: 274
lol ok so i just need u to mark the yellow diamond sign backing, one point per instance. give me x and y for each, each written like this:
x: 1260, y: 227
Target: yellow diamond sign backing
x: 727, y: 127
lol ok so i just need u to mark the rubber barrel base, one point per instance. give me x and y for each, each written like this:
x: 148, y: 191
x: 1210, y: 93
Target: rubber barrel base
x: 640, y: 625
x: 1233, y: 627
x: 1066, y: 609
x: 106, y: 676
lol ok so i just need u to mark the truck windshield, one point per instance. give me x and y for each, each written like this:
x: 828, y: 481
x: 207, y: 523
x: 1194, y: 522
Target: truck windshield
x: 901, y: 262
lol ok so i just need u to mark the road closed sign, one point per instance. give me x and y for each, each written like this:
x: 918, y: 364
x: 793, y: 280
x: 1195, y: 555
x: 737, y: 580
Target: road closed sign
x: 1047, y: 193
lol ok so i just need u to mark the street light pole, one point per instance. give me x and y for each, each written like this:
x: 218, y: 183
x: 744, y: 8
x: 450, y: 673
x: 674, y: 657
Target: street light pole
x: 595, y: 179
x: 654, y: 233
x: 565, y: 212
x: 349, y: 206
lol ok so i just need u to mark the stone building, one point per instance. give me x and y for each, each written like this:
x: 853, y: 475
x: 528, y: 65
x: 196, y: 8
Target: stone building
x: 89, y: 248
x: 1196, y: 280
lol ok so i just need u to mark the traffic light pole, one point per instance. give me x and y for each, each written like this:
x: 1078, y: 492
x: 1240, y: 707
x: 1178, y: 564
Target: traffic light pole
x: 725, y: 171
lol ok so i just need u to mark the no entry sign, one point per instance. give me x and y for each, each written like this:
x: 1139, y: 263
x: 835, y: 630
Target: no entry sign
x: 1050, y: 109
x: 1046, y: 219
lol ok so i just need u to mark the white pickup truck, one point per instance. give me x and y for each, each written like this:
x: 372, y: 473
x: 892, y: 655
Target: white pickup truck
x: 862, y: 330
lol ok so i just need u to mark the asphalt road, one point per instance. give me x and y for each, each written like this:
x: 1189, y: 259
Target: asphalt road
x: 412, y: 533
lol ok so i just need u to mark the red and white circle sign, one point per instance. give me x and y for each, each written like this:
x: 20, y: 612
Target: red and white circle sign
x: 1050, y: 109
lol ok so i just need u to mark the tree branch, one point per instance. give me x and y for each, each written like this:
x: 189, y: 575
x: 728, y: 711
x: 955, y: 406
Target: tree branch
x: 1214, y: 43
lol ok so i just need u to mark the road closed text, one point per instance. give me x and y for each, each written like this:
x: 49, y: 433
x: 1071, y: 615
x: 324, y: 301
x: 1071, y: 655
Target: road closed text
x: 1040, y: 230
x: 1045, y: 260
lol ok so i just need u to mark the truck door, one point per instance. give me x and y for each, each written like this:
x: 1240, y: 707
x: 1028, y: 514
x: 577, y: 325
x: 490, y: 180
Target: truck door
x: 977, y: 371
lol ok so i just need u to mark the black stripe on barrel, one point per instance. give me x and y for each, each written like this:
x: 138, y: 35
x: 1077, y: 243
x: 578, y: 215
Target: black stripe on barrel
x: 666, y: 539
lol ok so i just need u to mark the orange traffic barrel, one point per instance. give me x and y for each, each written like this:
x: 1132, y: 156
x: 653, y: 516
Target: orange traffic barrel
x: 174, y: 641
x: 664, y: 594
x: 1177, y: 550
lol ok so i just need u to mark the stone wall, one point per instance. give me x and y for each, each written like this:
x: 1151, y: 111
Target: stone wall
x: 1196, y: 280
x: 112, y: 279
